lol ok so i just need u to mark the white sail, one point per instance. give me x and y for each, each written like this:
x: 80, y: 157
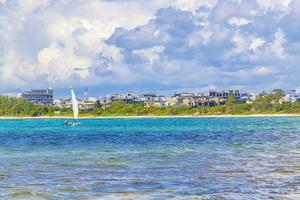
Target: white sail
x: 74, y: 104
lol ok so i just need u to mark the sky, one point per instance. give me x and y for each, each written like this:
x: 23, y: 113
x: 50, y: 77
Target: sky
x: 149, y: 45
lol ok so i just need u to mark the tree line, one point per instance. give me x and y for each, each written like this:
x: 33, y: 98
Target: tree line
x: 263, y: 104
x: 10, y: 106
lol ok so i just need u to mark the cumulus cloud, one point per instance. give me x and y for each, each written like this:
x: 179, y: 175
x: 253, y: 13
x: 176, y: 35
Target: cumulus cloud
x: 274, y: 4
x: 256, y: 43
x: 168, y: 43
x: 238, y: 21
x: 50, y: 39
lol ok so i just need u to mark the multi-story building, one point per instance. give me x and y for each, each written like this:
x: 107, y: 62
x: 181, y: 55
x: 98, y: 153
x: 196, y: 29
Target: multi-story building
x: 43, y: 96
x: 184, y: 95
x: 274, y: 91
x: 292, y: 95
x: 203, y: 101
x: 82, y: 104
x: 150, y: 97
x: 225, y: 94
x: 209, y: 98
x: 162, y: 101
x: 251, y: 97
x: 128, y: 98
x: 60, y: 103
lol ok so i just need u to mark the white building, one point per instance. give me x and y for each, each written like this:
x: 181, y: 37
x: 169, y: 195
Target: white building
x: 251, y: 97
x: 292, y: 95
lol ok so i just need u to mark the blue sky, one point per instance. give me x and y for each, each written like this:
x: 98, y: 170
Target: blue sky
x: 142, y: 45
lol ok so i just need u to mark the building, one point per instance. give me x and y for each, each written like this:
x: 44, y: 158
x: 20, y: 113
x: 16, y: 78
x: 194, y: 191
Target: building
x: 150, y: 98
x: 284, y: 100
x: 184, y: 95
x: 225, y: 94
x: 203, y: 101
x: 161, y: 101
x: 251, y: 97
x: 128, y: 98
x: 12, y: 95
x: 86, y: 105
x: 292, y: 95
x: 82, y: 104
x: 40, y: 97
x: 170, y: 101
x: 61, y: 103
x: 277, y: 91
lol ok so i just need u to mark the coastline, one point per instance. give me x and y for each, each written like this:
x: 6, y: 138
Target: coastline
x: 156, y: 116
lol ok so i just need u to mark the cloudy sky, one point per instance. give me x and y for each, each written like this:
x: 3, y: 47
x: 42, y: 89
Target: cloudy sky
x: 149, y: 45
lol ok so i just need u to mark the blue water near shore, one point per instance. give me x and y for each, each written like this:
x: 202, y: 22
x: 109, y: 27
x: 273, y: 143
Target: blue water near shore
x: 179, y: 158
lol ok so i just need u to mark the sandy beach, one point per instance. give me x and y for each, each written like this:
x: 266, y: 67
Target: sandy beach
x: 169, y: 116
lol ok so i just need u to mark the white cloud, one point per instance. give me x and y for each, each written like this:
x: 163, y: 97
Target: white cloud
x: 193, y: 5
x: 277, y: 44
x: 228, y: 9
x: 71, y: 36
x: 172, y: 42
x: 151, y: 54
x: 241, y: 43
x: 58, y: 63
x: 3, y: 1
x: 256, y: 43
x: 238, y: 21
x: 274, y: 4
x: 263, y: 70
x: 259, y: 71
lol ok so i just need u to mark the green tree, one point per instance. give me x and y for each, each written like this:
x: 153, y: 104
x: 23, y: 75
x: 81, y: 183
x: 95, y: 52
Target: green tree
x: 230, y: 104
x: 98, y: 105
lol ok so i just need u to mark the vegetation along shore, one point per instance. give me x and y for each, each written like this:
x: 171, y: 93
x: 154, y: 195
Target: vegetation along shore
x: 264, y: 105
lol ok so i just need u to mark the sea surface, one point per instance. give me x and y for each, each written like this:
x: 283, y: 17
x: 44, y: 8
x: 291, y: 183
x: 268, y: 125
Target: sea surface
x: 163, y: 158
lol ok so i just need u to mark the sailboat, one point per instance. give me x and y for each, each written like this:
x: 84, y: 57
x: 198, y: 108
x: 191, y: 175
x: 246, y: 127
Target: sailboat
x: 75, y: 111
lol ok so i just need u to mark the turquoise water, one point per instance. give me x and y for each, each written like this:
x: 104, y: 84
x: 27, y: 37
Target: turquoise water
x: 180, y: 158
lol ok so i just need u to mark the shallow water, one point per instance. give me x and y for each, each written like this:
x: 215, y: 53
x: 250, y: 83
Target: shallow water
x: 176, y: 158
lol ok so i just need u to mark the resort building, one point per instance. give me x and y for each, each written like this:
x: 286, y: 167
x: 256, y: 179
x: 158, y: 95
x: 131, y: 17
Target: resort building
x: 292, y: 96
x: 86, y: 105
x: 184, y: 94
x: 170, y: 101
x: 193, y: 99
x: 151, y: 97
x: 43, y: 96
x: 203, y: 101
x: 284, y: 100
x: 82, y: 104
x: 225, y: 94
x: 61, y: 103
x: 128, y: 98
x: 251, y: 97
x: 162, y: 102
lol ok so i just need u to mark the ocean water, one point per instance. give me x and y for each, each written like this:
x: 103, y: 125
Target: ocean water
x: 176, y: 158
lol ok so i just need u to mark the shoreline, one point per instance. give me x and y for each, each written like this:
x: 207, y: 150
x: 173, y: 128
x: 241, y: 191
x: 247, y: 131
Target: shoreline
x: 154, y: 116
